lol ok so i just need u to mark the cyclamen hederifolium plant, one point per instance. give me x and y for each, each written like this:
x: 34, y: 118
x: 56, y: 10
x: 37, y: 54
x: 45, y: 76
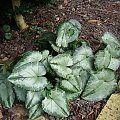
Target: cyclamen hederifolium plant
x: 47, y: 83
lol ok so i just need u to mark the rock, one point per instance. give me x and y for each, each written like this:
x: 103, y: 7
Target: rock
x: 111, y: 111
x: 57, y: 19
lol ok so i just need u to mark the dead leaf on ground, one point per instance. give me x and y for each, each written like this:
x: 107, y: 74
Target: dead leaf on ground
x: 1, y: 115
x: 98, y: 22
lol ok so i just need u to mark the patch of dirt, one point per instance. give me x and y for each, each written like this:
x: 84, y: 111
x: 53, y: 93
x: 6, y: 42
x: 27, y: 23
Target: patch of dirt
x: 96, y: 17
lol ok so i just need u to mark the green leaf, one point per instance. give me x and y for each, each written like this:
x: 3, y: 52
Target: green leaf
x: 33, y: 98
x: 83, y: 57
x: 70, y: 84
x: 35, y: 111
x: 82, y: 77
x: 109, y: 39
x: 8, y: 36
x: 61, y: 71
x: 100, y: 85
x: 27, y: 57
x: 29, y: 76
x: 103, y: 59
x: 62, y: 59
x: 45, y: 54
x: 59, y: 64
x: 67, y: 32
x: 76, y: 81
x: 56, y: 104
x: 72, y: 96
x: 56, y: 48
x: 114, y: 64
x: 114, y: 51
x: 7, y: 96
x: 6, y: 28
x: 20, y: 93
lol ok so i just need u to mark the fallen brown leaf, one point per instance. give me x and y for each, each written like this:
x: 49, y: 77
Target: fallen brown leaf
x: 94, y: 22
x: 1, y: 115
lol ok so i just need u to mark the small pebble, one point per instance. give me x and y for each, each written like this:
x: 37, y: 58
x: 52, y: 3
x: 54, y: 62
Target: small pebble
x: 60, y: 7
x: 5, y: 59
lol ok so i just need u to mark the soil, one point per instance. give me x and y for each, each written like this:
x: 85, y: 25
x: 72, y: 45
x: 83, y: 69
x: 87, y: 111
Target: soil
x: 96, y: 17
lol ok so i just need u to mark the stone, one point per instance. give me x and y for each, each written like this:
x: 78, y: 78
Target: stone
x: 111, y: 110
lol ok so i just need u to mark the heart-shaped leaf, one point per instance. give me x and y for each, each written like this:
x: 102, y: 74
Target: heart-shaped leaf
x: 7, y: 96
x: 76, y: 81
x: 34, y: 56
x: 20, y: 93
x: 71, y: 96
x: 70, y: 84
x: 114, y: 51
x: 114, y: 64
x: 29, y: 76
x: 60, y: 64
x: 35, y: 111
x: 104, y: 59
x: 67, y: 32
x: 33, y: 98
x: 56, y: 104
x: 109, y: 39
x: 82, y: 77
x: 56, y: 48
x: 100, y: 85
x: 83, y: 57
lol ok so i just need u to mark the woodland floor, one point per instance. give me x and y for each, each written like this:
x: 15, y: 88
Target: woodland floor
x: 95, y: 16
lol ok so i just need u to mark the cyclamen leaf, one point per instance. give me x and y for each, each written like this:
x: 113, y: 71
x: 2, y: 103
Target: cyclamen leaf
x: 45, y: 54
x: 62, y: 59
x: 56, y: 104
x: 82, y: 77
x: 83, y: 57
x: 70, y: 84
x: 59, y: 64
x: 20, y: 93
x: 67, y: 32
x: 33, y: 98
x: 57, y: 49
x: 7, y: 96
x: 76, y: 81
x: 114, y: 51
x: 35, y: 112
x: 114, y: 64
x: 61, y: 71
x: 109, y: 39
x: 100, y: 85
x: 102, y: 59
x: 34, y: 56
x: 71, y: 96
x: 29, y: 76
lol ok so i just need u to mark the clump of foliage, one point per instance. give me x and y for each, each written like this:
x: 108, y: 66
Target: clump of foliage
x: 7, y: 33
x: 47, y: 83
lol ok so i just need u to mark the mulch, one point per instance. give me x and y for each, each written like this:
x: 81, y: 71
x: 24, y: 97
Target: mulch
x: 96, y: 17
